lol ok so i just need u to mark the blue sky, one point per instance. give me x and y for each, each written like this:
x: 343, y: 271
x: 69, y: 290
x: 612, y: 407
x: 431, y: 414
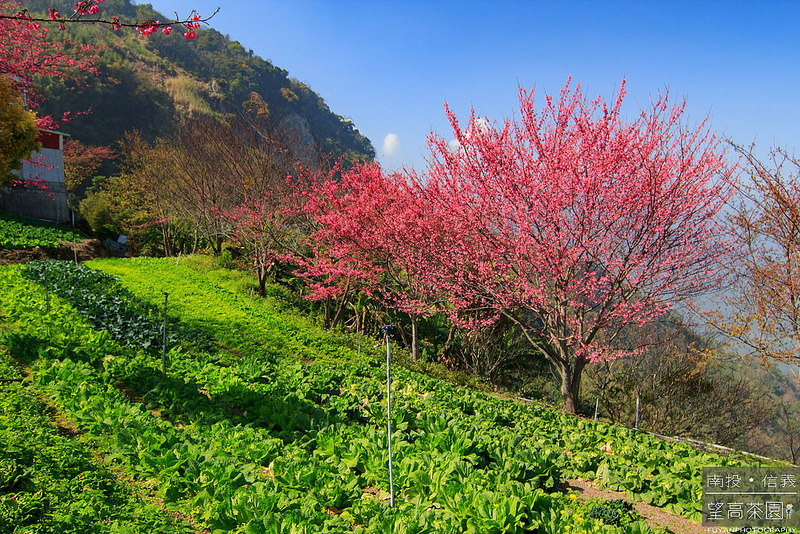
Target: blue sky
x: 391, y: 65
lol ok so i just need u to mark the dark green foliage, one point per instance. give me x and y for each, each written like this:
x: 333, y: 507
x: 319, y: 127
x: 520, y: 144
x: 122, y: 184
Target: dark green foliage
x: 21, y: 233
x: 96, y: 211
x: 613, y: 512
x: 102, y: 301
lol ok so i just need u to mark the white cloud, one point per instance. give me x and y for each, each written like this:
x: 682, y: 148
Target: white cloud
x: 482, y: 125
x: 454, y: 145
x: 391, y: 145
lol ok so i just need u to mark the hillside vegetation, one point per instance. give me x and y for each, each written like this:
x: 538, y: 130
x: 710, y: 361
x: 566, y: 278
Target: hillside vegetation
x: 147, y: 84
x: 265, y: 423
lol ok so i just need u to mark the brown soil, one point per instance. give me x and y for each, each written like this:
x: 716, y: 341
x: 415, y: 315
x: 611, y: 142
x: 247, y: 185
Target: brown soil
x: 226, y: 348
x: 135, y: 399
x: 66, y: 427
x: 85, y: 250
x: 655, y: 517
x: 375, y: 492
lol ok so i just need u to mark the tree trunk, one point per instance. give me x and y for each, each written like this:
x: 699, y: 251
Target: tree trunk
x: 359, y: 326
x: 326, y: 317
x: 414, y: 336
x: 571, y: 370
x: 340, y: 308
x: 451, y: 334
x: 166, y: 239
x: 261, y: 271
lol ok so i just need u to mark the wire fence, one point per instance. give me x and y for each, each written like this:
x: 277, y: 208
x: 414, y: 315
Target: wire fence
x: 697, y: 444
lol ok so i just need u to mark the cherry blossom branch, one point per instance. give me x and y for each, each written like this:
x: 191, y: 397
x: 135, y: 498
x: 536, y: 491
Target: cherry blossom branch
x: 91, y: 7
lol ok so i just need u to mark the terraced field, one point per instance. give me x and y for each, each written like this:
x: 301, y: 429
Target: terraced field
x: 265, y: 423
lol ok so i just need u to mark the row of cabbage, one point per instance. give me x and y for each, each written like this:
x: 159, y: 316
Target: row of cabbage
x: 50, y: 482
x: 21, y: 233
x: 250, y: 438
x: 661, y: 473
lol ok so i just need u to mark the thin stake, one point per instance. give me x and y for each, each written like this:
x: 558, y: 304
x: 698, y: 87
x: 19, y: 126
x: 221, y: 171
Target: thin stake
x: 164, y: 337
x: 637, y: 413
x: 386, y: 329
x: 47, y: 295
x: 596, y: 406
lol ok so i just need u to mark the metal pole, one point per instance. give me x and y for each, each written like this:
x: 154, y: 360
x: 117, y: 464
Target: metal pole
x: 164, y: 338
x: 386, y: 329
x: 596, y: 406
x: 637, y: 413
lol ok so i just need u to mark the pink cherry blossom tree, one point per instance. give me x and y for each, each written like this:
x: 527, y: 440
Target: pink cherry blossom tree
x: 266, y: 231
x: 573, y: 223
x: 367, y: 225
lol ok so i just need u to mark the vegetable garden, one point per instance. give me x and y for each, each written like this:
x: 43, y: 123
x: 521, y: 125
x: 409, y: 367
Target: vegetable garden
x: 266, y: 423
x: 20, y: 233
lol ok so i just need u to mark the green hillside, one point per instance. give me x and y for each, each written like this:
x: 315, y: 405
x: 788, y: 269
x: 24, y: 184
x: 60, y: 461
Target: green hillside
x: 265, y: 423
x: 145, y: 84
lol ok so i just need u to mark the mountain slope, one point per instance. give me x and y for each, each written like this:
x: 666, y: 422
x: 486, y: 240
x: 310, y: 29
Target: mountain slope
x: 147, y: 83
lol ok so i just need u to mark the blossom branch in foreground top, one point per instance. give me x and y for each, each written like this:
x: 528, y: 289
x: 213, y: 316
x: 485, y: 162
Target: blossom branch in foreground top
x: 26, y: 54
x: 86, y: 12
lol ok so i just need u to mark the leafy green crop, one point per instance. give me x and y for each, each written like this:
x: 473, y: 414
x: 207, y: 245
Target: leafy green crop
x: 19, y: 233
x: 611, y: 512
x: 101, y: 299
x: 51, y: 483
x: 243, y: 435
